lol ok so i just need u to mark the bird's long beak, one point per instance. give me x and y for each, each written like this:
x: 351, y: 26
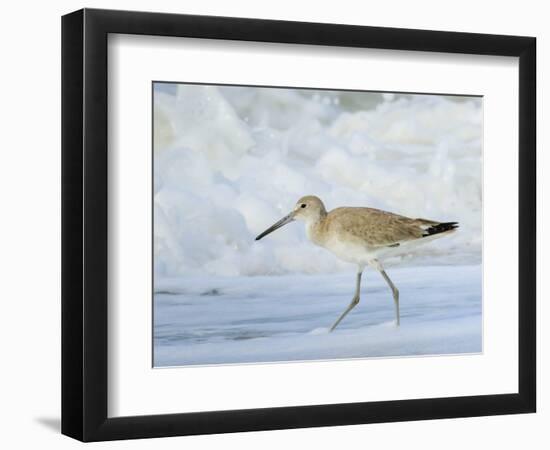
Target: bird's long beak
x: 286, y: 219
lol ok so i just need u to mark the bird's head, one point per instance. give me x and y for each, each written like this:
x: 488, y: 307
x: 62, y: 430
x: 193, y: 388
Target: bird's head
x: 308, y: 209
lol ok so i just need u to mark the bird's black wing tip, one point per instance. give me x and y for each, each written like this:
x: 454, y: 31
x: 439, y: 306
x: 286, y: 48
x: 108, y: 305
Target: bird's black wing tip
x: 440, y: 228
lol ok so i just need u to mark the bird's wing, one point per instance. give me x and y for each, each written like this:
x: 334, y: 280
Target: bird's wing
x: 376, y: 228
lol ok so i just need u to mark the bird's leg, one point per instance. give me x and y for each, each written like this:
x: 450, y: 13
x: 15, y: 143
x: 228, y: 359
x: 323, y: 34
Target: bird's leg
x: 354, y: 300
x: 394, y: 290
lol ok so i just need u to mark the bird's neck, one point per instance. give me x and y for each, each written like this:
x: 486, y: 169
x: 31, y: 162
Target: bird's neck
x: 313, y: 229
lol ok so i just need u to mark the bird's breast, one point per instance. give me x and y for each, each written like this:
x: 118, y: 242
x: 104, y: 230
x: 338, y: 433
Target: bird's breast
x: 345, y: 249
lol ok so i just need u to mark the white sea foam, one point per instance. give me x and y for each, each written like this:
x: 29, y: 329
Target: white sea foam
x: 230, y: 161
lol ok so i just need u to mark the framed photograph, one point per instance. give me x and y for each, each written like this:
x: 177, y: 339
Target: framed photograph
x: 273, y: 224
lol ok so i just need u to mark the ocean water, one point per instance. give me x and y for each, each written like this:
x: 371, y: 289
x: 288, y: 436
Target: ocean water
x: 231, y: 320
x: 230, y: 161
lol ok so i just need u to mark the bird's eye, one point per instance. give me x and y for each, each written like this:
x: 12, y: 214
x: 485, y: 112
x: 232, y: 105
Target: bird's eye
x: 303, y: 205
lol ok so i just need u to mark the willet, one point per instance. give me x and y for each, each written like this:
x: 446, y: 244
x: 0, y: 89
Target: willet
x: 362, y: 236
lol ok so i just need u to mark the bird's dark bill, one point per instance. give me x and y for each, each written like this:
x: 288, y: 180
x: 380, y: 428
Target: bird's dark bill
x: 287, y: 219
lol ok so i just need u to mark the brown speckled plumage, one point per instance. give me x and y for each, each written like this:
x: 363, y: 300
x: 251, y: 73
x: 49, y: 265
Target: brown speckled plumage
x: 373, y: 227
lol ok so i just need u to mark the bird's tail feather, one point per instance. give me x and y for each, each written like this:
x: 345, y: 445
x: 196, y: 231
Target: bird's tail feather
x: 440, y: 228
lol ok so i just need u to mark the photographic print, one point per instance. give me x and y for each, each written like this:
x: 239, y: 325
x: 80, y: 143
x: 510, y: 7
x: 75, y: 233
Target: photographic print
x: 306, y: 224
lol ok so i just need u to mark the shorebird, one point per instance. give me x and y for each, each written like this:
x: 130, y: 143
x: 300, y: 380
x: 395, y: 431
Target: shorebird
x: 362, y: 236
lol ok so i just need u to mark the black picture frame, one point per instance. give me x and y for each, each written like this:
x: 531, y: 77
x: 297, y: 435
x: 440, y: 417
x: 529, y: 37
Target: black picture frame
x: 84, y: 224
